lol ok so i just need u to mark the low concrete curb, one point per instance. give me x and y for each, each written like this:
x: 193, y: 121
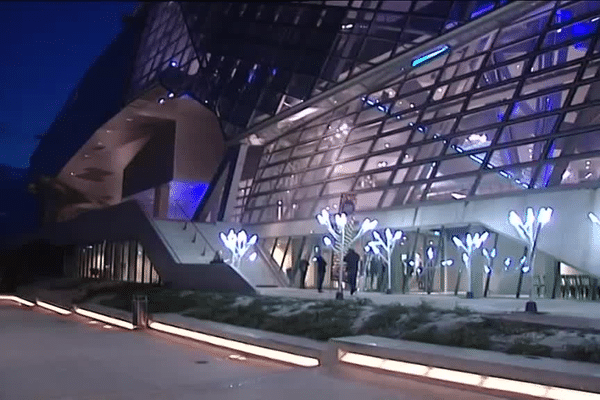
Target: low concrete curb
x: 543, y: 371
x: 276, y: 341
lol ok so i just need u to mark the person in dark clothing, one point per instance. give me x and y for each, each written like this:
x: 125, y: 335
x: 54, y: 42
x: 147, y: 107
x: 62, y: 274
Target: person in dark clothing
x: 321, y: 265
x: 217, y: 259
x: 303, y: 266
x: 352, y: 258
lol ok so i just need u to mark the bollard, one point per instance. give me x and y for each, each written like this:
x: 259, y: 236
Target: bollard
x: 140, y: 311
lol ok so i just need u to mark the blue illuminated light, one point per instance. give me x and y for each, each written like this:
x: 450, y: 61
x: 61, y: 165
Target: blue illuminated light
x: 174, y: 64
x: 431, y: 55
x: 483, y: 10
x: 184, y: 198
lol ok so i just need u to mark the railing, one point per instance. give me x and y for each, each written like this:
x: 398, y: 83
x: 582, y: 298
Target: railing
x: 190, y: 222
x: 162, y: 236
x: 280, y: 276
x: 581, y: 287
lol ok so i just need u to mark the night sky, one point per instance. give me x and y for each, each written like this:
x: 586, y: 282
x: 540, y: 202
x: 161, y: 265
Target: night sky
x: 46, y: 48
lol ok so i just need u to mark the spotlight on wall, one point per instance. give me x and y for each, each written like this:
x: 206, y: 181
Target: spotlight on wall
x: 161, y: 100
x: 174, y: 64
x: 171, y: 95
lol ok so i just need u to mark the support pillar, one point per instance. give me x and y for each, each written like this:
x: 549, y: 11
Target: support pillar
x: 161, y: 201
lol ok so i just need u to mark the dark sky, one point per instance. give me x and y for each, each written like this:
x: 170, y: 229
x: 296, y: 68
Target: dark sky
x: 45, y: 48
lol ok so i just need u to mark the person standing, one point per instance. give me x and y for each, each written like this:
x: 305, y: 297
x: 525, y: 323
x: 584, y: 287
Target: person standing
x: 321, y: 269
x: 352, y: 258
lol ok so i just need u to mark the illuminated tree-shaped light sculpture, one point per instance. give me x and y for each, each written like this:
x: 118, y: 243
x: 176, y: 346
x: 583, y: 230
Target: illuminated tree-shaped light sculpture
x: 342, y: 237
x: 489, y: 255
x: 471, y: 243
x: 387, y: 245
x: 238, y: 244
x: 529, y: 231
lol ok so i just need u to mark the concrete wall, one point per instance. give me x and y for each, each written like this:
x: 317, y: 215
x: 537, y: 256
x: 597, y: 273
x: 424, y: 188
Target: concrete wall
x: 199, y: 144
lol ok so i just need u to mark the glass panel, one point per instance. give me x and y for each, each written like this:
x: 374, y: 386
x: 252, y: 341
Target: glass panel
x: 585, y: 117
x: 562, y: 34
x: 307, y: 192
x: 456, y: 189
x: 296, y: 165
x: 363, y: 132
x: 287, y: 141
x: 372, y: 180
x: 550, y: 80
x: 560, y: 56
x: 370, y: 114
x: 355, y: 150
x: 400, y: 175
x: 437, y: 129
x: 505, y: 181
x: 324, y: 158
x: 501, y: 74
x: 312, y: 132
x: 580, y: 94
x: 347, y: 168
x: 411, y: 101
x: 575, y: 144
x: 443, y: 110
x: 517, y: 154
x: 579, y: 171
x: 495, y: 95
x: 389, y: 197
x: 528, y: 129
x: 272, y: 171
x: 280, y: 156
x: 481, y: 118
x: 532, y: 26
x: 305, y: 149
x: 416, y: 84
x: 332, y: 141
x: 462, y: 68
x: 316, y: 175
x: 368, y: 201
x: 548, y: 176
x: 391, y: 141
x: 430, y: 150
x: 460, y: 164
x: 382, y: 161
x: 460, y: 144
x: 340, y: 186
x: 575, y: 10
x: 460, y: 86
x: 289, y: 181
x: 513, y: 51
x: 400, y: 121
x: 536, y: 105
x: 592, y: 68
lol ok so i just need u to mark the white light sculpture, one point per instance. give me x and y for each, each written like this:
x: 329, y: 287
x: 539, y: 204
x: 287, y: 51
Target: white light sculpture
x: 387, y: 245
x: 341, y: 237
x: 529, y: 231
x: 472, y: 243
x: 489, y: 259
x: 238, y: 244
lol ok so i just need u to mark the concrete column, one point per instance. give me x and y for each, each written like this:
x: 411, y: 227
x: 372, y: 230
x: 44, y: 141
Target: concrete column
x: 161, y: 201
x: 477, y: 274
x: 235, y: 183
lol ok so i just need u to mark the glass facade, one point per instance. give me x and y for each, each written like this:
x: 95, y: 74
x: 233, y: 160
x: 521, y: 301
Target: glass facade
x: 512, y: 111
x: 116, y: 261
x: 250, y: 61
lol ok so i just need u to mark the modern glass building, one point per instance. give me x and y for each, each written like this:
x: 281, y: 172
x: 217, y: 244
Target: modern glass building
x: 436, y: 118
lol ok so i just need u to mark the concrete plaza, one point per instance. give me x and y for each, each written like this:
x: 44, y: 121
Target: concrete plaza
x: 46, y: 356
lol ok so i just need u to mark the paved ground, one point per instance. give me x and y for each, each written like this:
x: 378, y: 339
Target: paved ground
x: 45, y: 356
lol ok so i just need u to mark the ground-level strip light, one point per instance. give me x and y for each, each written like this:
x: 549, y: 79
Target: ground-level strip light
x: 104, y: 318
x: 50, y: 307
x: 239, y: 346
x: 466, y: 378
x: 18, y: 300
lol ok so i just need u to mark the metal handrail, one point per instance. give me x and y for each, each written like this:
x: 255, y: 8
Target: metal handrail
x: 161, y: 235
x: 198, y: 231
